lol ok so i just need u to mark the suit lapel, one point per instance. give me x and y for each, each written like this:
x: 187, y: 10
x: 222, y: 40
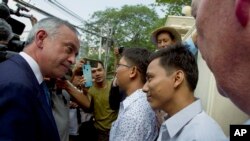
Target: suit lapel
x: 40, y: 93
x: 43, y: 102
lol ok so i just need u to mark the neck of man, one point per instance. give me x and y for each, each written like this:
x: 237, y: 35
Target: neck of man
x: 180, y: 100
x: 133, y: 87
x: 102, y: 84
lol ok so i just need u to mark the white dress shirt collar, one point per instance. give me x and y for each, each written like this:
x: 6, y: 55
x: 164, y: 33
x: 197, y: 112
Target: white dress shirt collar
x: 130, y: 99
x: 175, y: 123
x: 34, y: 66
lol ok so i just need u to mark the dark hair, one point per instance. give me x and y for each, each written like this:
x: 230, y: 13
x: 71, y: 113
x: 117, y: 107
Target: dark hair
x: 99, y: 61
x: 167, y: 32
x: 139, y: 58
x: 178, y: 57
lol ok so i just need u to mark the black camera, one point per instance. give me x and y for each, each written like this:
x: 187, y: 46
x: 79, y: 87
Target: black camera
x: 5, y: 12
x: 10, y: 42
x: 15, y: 44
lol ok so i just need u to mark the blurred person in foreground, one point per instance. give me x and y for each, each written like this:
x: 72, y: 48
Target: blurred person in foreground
x: 172, y: 77
x: 26, y: 114
x: 136, y: 119
x: 223, y: 29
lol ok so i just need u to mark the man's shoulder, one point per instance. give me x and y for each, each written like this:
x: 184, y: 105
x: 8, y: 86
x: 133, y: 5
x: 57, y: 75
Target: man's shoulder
x: 94, y: 88
x: 10, y: 70
x: 16, y: 74
x: 202, y: 120
x: 12, y: 64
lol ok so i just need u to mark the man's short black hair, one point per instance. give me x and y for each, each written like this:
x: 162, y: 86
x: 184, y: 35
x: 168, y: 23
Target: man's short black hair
x: 178, y: 57
x: 138, y: 57
x: 166, y: 32
x: 99, y: 61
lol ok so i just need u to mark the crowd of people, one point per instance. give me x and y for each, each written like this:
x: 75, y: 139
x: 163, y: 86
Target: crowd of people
x: 42, y: 98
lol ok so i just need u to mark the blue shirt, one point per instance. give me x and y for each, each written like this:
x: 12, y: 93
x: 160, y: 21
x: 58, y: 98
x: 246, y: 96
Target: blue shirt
x: 136, y: 120
x: 191, y: 46
x: 247, y: 122
x: 191, y: 124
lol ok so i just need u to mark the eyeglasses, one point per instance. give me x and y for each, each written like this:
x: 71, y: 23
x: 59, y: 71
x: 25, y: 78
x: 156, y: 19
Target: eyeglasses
x: 118, y: 65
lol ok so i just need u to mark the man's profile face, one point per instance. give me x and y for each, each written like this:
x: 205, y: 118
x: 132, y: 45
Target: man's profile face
x: 122, y: 73
x: 213, y: 34
x: 58, y: 52
x: 159, y: 85
x: 223, y: 47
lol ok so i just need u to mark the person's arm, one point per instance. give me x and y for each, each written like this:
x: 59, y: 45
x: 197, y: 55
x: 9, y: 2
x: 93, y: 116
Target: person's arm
x: 114, y: 97
x: 115, y: 94
x: 117, y: 56
x: 80, y: 97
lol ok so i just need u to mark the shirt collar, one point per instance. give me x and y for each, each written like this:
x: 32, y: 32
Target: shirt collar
x: 133, y: 97
x: 34, y: 66
x: 247, y: 122
x: 175, y: 123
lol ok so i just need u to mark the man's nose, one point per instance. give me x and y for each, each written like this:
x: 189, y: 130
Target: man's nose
x: 145, y: 87
x: 72, y: 59
x: 162, y: 44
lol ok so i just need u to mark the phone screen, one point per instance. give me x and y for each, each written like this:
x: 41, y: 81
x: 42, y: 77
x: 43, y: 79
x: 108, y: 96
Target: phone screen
x: 86, y: 69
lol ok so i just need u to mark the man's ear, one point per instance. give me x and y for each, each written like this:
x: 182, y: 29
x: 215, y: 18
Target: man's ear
x: 133, y: 72
x: 178, y: 78
x: 40, y: 36
x: 242, y: 9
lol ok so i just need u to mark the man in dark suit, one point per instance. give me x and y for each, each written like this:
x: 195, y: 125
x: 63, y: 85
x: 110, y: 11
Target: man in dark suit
x: 25, y: 112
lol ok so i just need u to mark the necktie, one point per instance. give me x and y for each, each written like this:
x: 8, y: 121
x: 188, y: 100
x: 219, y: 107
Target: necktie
x: 46, y: 92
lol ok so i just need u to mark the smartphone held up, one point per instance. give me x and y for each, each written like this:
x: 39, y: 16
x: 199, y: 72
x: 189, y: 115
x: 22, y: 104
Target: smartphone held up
x: 87, y: 71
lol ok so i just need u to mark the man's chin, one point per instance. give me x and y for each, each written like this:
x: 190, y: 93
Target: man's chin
x: 153, y: 106
x: 98, y: 80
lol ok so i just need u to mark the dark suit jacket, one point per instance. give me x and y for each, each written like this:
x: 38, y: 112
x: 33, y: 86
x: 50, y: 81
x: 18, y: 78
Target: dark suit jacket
x: 24, y: 112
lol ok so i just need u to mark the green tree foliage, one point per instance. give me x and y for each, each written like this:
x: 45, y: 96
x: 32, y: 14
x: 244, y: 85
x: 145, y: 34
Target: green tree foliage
x: 173, y: 7
x: 130, y: 26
